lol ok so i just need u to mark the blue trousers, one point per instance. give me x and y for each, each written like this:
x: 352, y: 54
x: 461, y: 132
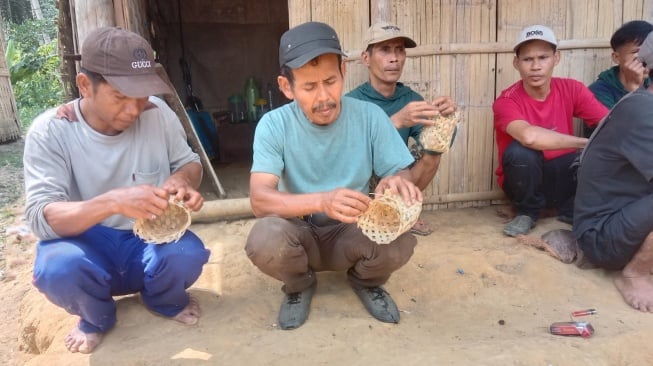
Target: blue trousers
x: 82, y: 274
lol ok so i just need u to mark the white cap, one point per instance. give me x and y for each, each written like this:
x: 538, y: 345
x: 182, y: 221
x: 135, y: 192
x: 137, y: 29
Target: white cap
x: 541, y: 32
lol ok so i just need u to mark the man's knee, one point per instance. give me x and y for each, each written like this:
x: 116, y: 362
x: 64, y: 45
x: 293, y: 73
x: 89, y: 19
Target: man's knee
x: 55, y: 268
x: 400, y: 253
x: 606, y: 252
x: 269, y: 242
x: 518, y: 154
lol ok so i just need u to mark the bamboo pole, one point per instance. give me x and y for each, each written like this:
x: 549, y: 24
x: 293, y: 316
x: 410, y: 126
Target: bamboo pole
x: 223, y: 209
x: 464, y: 197
x: 241, y: 207
x: 479, y: 48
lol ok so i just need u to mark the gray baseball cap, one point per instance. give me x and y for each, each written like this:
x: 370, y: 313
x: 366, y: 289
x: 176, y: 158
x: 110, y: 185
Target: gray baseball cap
x: 305, y: 42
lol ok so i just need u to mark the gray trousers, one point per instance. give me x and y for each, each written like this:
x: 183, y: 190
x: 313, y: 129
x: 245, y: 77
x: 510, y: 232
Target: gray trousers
x: 292, y: 250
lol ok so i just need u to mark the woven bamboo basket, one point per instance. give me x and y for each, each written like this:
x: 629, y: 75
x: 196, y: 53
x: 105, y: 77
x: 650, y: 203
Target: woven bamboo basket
x: 438, y: 137
x: 166, y: 228
x: 387, y: 217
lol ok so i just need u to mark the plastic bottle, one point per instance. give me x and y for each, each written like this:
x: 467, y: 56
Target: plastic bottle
x: 236, y: 107
x: 251, y: 96
x: 271, y: 102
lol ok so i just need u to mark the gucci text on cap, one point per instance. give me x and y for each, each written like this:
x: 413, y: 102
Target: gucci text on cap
x: 125, y: 60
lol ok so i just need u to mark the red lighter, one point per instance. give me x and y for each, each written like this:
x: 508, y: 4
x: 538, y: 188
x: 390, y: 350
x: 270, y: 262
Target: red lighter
x: 583, y: 329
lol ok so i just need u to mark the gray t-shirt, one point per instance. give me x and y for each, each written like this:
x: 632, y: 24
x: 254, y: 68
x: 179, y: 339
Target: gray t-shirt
x: 616, y: 168
x: 66, y: 160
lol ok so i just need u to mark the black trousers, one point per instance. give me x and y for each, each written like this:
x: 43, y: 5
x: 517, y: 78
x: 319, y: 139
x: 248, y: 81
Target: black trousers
x: 533, y: 183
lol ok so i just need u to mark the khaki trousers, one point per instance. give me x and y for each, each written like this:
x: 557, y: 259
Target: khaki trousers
x: 292, y: 250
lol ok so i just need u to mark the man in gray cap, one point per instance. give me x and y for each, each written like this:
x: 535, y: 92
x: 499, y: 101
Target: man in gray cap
x: 385, y: 56
x: 534, y: 130
x: 613, y: 220
x: 93, y: 166
x: 313, y: 159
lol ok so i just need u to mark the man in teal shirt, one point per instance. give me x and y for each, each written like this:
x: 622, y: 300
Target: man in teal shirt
x: 385, y: 57
x: 309, y: 183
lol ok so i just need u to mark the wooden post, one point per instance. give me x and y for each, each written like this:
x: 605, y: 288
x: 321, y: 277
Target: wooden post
x: 92, y: 14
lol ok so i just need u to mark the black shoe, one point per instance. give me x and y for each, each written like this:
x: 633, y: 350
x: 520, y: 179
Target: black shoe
x: 378, y: 302
x: 295, y: 307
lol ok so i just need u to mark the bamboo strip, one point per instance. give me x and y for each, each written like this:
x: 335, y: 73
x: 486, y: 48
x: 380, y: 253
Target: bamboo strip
x: 484, y: 47
x: 464, y: 197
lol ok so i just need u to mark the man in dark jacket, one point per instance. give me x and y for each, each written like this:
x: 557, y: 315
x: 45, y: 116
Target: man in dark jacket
x: 629, y: 73
x: 612, y: 217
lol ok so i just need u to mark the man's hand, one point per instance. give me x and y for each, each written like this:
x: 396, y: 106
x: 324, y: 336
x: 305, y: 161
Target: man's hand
x: 345, y: 205
x: 180, y: 187
x: 423, y: 112
x: 398, y: 184
x: 445, y: 105
x: 142, y: 201
x: 634, y: 74
x: 183, y: 185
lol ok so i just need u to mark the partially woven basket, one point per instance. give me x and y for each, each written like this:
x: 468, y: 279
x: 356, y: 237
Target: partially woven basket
x: 387, y: 217
x: 438, y: 137
x: 166, y: 228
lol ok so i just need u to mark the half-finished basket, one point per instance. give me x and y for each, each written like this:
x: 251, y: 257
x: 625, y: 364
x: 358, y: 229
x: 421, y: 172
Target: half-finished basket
x: 438, y: 137
x: 387, y: 217
x: 166, y: 228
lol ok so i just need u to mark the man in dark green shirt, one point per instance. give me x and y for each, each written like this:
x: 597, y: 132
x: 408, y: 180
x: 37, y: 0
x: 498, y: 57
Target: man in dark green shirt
x: 384, y: 56
x: 629, y: 73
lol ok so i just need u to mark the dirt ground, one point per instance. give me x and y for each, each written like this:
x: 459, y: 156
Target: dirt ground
x: 469, y: 296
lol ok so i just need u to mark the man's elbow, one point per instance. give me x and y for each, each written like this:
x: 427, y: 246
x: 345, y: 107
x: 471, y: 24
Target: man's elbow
x: 528, y: 139
x: 257, y: 208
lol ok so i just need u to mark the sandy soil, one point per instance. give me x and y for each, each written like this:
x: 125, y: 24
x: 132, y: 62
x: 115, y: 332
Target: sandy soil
x: 468, y: 296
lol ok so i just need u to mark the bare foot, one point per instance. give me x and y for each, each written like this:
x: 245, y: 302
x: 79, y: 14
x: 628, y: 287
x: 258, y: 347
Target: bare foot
x: 78, y: 341
x: 190, y: 315
x: 637, y: 291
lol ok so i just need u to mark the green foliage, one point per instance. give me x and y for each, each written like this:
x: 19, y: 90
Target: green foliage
x: 33, y: 61
x: 16, y: 11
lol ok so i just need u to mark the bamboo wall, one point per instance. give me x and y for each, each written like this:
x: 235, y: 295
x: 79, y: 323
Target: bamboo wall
x: 465, y: 51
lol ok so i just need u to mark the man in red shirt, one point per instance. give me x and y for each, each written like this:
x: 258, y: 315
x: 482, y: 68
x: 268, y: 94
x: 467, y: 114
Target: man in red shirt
x: 533, y: 121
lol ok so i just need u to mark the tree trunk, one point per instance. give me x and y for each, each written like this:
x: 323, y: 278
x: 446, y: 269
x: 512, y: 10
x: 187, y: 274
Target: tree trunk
x: 9, y: 124
x: 38, y: 15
